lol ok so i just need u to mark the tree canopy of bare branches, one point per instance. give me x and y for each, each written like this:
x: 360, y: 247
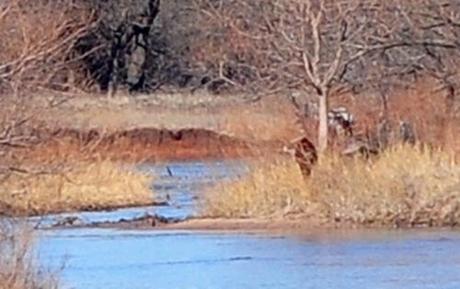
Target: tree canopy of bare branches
x: 38, y: 41
x: 124, y: 31
x: 324, y: 46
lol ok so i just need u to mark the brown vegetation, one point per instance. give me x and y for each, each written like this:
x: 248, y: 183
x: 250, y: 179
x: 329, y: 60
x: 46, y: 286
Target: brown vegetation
x: 18, y: 265
x: 74, y: 186
x: 270, y: 189
x: 319, y: 49
x: 405, y: 186
x: 386, y: 62
x: 36, y: 51
x: 386, y: 67
x: 58, y: 182
x: 424, y: 106
x: 144, y: 144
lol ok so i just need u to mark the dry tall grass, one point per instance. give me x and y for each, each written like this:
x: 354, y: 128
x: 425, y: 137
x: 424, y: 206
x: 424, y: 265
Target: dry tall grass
x: 82, y: 186
x: 404, y: 186
x: 18, y: 266
x: 271, y: 119
x: 271, y: 188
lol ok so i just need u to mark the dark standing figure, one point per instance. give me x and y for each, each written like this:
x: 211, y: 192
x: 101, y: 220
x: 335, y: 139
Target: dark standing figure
x: 407, y: 133
x: 305, y: 154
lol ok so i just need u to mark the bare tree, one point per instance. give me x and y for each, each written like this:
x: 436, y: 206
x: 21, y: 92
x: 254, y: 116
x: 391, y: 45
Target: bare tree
x: 16, y: 134
x: 314, y: 45
x: 124, y: 31
x: 424, y: 46
x: 434, y: 32
x: 316, y: 37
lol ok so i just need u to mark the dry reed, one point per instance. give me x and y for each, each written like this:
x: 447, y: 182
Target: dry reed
x: 404, y: 186
x: 82, y: 186
x: 271, y: 188
x: 18, y: 265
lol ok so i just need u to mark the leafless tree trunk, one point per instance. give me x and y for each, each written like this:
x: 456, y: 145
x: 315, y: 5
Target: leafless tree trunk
x: 124, y: 30
x: 325, y: 39
x: 323, y: 130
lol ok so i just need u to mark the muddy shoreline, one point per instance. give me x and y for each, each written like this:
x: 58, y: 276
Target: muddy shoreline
x: 218, y: 225
x: 201, y: 224
x: 283, y: 226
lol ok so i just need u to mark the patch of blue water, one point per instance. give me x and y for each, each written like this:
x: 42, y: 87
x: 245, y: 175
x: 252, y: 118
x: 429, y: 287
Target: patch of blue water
x: 112, y: 259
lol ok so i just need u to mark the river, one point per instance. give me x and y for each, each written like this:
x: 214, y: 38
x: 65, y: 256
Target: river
x: 124, y: 259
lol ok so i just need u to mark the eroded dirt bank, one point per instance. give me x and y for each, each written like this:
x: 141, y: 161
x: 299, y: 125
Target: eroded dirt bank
x: 145, y: 144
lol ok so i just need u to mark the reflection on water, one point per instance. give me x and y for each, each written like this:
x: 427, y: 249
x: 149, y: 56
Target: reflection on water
x: 113, y: 259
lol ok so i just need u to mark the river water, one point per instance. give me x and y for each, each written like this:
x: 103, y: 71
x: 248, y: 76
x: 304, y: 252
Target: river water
x: 125, y: 259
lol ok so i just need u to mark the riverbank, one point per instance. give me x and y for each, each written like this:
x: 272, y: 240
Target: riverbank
x: 80, y: 154
x: 405, y: 186
x: 261, y: 225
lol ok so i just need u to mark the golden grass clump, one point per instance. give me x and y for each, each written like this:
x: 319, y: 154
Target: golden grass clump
x: 271, y: 188
x: 83, y: 186
x: 404, y: 186
x: 18, y: 265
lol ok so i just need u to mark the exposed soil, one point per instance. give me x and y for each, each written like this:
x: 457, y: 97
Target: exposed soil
x: 267, y: 224
x: 173, y: 129
x: 145, y: 144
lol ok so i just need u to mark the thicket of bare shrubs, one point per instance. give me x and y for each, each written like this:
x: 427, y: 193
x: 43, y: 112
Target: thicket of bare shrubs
x: 40, y: 53
x: 78, y: 45
x: 18, y: 265
x: 262, y: 47
x: 38, y: 41
x: 320, y: 49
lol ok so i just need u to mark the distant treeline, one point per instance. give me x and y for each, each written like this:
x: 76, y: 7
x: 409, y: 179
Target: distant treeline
x: 261, y: 46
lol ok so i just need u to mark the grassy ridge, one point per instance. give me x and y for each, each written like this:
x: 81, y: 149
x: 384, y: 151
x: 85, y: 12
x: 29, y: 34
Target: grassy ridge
x: 404, y: 186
